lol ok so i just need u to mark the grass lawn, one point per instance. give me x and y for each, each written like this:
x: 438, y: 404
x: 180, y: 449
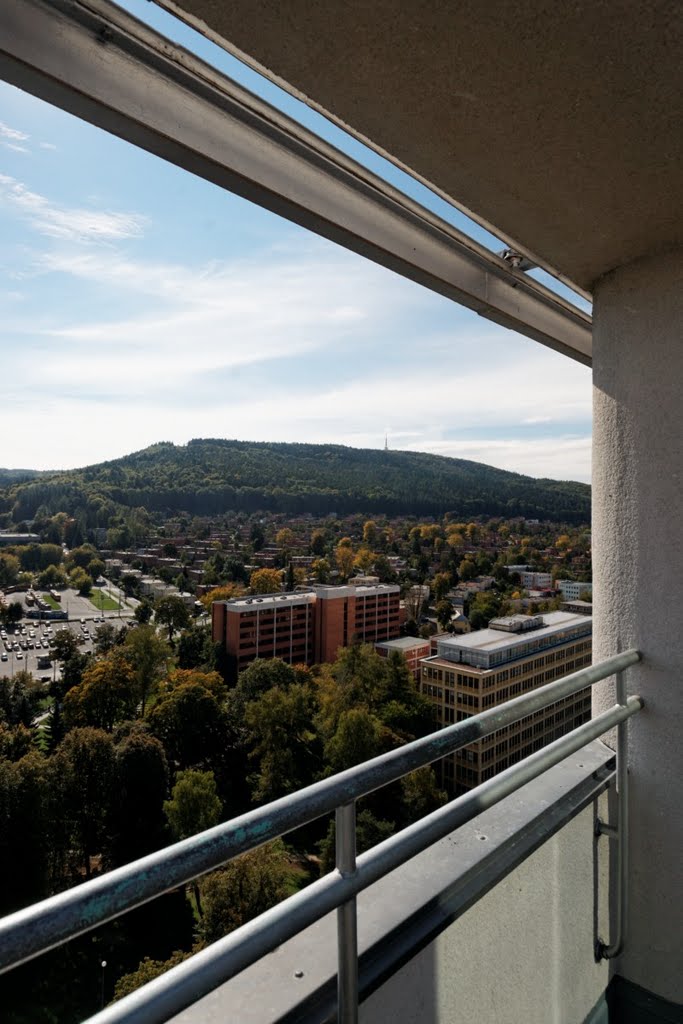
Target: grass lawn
x: 52, y: 603
x: 103, y: 602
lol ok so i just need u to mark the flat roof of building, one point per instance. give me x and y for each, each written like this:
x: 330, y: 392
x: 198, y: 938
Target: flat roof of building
x: 404, y: 643
x: 495, y: 639
x: 255, y: 601
x: 331, y: 590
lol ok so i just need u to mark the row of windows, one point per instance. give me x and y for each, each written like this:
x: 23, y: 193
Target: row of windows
x: 432, y: 691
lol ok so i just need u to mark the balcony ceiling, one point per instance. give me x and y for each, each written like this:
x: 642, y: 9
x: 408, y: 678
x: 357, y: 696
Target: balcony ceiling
x: 560, y: 124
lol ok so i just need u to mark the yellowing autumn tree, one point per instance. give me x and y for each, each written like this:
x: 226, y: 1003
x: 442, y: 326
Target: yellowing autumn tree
x: 344, y: 558
x: 370, y: 532
x: 265, y: 581
x: 226, y: 592
x: 285, y: 538
x: 364, y: 559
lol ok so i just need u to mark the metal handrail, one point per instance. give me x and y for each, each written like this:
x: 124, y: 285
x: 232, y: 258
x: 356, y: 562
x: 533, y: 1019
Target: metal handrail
x: 183, y: 985
x: 34, y: 930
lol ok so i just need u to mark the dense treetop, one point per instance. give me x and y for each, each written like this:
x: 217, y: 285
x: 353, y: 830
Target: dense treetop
x: 207, y: 477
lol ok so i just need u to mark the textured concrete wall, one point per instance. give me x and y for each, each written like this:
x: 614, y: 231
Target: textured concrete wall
x: 638, y: 572
x: 522, y: 955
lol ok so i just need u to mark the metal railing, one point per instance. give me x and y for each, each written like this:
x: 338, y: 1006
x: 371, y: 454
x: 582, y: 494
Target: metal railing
x: 39, y: 928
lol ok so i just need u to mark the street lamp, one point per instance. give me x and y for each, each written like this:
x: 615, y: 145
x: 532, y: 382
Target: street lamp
x: 103, y: 965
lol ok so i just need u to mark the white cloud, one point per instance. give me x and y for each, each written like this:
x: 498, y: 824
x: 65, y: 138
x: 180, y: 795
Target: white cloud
x: 172, y: 364
x: 71, y: 224
x: 559, y: 458
x: 208, y: 319
x: 12, y: 133
x: 47, y: 145
x: 91, y: 431
x: 15, y: 147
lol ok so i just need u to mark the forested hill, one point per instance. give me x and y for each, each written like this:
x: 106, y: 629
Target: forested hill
x: 15, y: 476
x: 207, y: 477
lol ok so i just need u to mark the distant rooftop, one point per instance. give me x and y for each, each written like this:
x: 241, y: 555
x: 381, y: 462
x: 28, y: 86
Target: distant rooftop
x: 487, y: 647
x: 19, y: 538
x: 403, y: 643
x: 255, y: 601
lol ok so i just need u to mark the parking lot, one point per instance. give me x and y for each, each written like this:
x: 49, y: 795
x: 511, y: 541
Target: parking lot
x: 23, y: 644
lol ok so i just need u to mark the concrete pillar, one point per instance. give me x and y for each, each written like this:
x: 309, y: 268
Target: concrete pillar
x: 638, y: 592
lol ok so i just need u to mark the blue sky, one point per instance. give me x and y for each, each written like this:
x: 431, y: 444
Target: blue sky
x: 139, y: 304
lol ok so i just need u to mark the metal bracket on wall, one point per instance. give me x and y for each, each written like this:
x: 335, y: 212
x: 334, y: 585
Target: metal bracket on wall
x: 619, y: 835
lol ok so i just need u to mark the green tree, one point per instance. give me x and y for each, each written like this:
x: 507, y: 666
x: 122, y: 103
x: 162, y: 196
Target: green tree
x: 35, y: 557
x: 143, y: 612
x: 171, y: 612
x: 357, y: 738
x: 95, y: 568
x: 80, y: 556
x: 9, y: 569
x: 142, y: 781
x: 369, y: 832
x: 51, y: 578
x: 85, y: 780
x: 483, y: 607
x: 257, y: 537
x: 194, y: 805
x: 10, y: 613
x: 444, y: 613
x: 80, y: 581
x: 441, y: 585
x: 282, y: 740
x: 318, y: 542
x: 321, y: 570
x: 383, y: 570
x: 262, y: 675
x: 192, y: 725
x: 106, y: 694
x: 106, y: 638
x: 19, y: 699
x: 421, y: 795
x: 467, y: 570
x: 147, y: 970
x: 149, y: 656
x: 243, y: 889
x: 54, y: 730
x: 26, y: 816
x: 196, y: 648
x: 64, y: 645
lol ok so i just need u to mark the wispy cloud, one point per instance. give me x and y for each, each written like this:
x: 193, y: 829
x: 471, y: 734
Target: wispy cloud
x: 71, y: 224
x: 12, y: 133
x: 559, y: 458
x: 300, y: 342
x: 47, y: 145
x: 194, y: 322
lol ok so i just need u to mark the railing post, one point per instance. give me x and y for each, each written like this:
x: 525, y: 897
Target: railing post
x: 347, y: 935
x: 607, y: 951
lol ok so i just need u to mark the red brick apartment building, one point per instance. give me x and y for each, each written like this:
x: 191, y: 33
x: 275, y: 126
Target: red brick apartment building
x: 306, y: 627
x: 413, y: 649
